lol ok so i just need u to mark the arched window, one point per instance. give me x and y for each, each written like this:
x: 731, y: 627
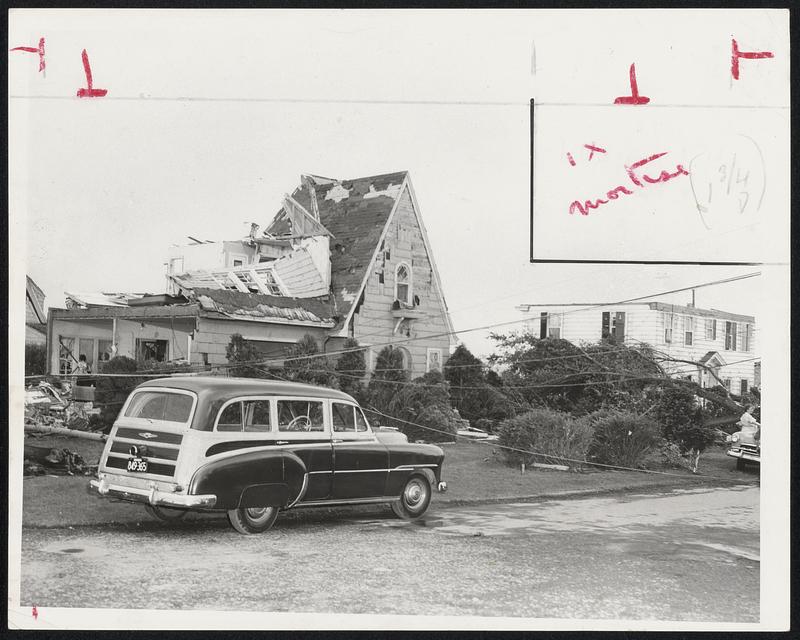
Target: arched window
x: 402, y: 283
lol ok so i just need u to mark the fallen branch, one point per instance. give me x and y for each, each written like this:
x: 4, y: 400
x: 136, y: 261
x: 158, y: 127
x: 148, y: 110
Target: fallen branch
x: 61, y: 431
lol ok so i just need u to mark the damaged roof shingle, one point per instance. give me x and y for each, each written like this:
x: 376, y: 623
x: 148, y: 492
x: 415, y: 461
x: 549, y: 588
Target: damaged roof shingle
x: 249, y: 306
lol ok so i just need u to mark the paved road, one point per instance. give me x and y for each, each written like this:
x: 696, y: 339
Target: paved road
x: 684, y: 555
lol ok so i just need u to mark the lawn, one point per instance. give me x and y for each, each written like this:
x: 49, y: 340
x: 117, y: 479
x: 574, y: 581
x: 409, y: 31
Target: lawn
x: 474, y: 472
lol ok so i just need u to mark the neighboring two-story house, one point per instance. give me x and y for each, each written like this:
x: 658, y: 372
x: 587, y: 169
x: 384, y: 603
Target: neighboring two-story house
x: 341, y: 258
x: 723, y: 344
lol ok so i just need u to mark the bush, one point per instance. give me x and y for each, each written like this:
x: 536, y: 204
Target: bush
x: 240, y: 350
x: 621, y: 438
x: 544, y: 435
x: 35, y: 359
x: 110, y: 393
x: 351, y: 368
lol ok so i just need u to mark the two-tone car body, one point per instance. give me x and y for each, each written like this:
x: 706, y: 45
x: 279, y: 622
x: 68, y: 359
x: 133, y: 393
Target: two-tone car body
x: 252, y: 447
x: 745, y: 445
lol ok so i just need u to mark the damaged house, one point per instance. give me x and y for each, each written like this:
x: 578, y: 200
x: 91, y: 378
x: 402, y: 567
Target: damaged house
x: 341, y: 258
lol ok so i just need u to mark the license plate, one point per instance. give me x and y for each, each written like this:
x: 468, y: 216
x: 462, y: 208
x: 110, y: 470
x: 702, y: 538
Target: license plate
x: 137, y: 464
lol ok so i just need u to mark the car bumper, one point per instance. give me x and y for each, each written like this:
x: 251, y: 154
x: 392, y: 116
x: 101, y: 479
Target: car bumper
x: 743, y: 455
x: 151, y: 496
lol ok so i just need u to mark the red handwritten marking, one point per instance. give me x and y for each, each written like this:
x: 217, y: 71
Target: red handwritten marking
x: 39, y: 50
x: 583, y: 207
x: 747, y: 55
x: 634, y: 98
x: 592, y: 149
x: 570, y: 158
x: 90, y: 91
x: 35, y: 613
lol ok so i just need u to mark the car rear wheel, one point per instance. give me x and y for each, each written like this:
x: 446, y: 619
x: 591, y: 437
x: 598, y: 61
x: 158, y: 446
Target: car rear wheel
x: 249, y: 520
x: 414, y: 499
x: 165, y: 514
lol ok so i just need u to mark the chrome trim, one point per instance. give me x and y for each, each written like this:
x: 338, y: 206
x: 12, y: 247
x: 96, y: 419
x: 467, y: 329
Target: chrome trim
x: 125, y: 456
x: 323, y: 503
x: 412, y: 467
x: 166, y: 445
x: 152, y: 495
x: 301, y: 494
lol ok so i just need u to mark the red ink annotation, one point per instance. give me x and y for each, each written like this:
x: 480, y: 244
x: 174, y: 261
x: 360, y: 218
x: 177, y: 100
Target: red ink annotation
x: 89, y: 91
x: 639, y: 180
x: 592, y: 150
x: 35, y: 613
x: 39, y: 50
x: 634, y: 98
x: 747, y: 55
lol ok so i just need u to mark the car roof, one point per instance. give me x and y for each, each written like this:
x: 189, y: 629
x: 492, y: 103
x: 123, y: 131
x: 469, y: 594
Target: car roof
x: 218, y: 386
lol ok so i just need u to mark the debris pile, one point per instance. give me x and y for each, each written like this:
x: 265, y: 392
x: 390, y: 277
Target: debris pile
x: 42, y: 460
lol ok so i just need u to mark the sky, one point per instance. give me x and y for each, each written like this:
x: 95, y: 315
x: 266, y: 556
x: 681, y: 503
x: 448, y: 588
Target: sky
x: 211, y: 116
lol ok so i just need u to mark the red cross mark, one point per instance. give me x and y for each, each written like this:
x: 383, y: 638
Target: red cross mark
x: 39, y: 50
x: 89, y: 91
x: 634, y: 98
x: 592, y: 149
x: 747, y: 55
x: 35, y: 613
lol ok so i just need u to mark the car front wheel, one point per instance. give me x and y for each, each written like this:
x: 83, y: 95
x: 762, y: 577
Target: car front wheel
x: 414, y: 499
x: 249, y: 520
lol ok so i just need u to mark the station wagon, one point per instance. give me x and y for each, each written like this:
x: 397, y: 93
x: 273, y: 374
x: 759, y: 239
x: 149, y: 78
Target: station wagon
x: 251, y: 448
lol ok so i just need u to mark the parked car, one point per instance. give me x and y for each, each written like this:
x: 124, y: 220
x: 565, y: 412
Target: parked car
x: 251, y: 448
x: 745, y: 446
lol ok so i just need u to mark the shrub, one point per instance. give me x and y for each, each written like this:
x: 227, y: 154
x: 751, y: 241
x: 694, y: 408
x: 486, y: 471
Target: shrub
x: 388, y: 378
x: 544, y: 435
x: 240, y: 350
x: 110, y: 393
x: 35, y: 359
x: 424, y: 402
x: 621, y: 438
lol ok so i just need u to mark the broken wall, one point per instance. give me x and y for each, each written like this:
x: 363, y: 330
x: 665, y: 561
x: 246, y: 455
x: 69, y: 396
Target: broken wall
x: 374, y: 322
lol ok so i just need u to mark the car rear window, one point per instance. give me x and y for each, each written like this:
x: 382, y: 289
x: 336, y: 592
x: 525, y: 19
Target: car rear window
x: 160, y: 405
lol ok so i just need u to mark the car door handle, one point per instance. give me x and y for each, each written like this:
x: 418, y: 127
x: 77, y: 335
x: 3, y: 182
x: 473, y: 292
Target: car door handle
x: 281, y: 442
x: 337, y: 440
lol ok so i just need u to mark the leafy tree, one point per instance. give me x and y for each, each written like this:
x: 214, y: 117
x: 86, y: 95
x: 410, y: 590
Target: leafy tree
x: 316, y: 369
x: 351, y: 367
x: 560, y: 375
x: 241, y: 350
x: 470, y: 393
x: 681, y: 420
x: 387, y: 379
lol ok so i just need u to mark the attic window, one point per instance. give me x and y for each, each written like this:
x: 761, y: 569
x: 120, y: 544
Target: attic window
x: 402, y: 283
x: 268, y: 278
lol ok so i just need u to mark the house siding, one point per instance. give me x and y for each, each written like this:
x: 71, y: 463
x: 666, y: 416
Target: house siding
x: 374, y: 322
x: 213, y: 336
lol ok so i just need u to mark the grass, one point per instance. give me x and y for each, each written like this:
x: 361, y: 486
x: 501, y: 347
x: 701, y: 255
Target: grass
x: 474, y: 473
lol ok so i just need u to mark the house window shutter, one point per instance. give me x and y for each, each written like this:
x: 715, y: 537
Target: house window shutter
x: 605, y: 330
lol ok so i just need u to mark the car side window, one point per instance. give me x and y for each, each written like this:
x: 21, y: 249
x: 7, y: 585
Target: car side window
x: 300, y: 415
x: 257, y: 415
x: 343, y: 417
x: 231, y: 418
x: 361, y: 421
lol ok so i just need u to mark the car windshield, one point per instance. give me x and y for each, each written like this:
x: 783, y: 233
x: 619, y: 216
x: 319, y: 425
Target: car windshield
x: 160, y: 405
